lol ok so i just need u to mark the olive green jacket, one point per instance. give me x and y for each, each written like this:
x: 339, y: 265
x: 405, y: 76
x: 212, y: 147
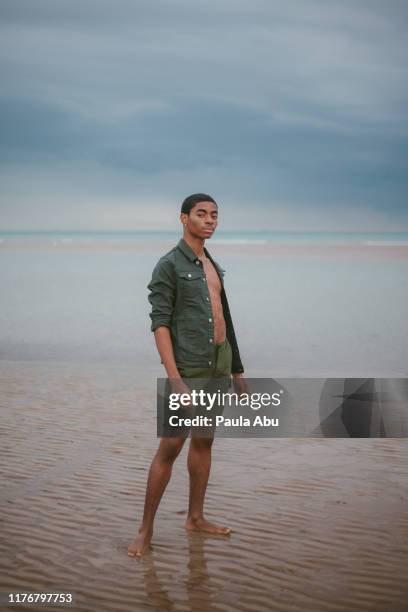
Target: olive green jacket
x: 180, y: 300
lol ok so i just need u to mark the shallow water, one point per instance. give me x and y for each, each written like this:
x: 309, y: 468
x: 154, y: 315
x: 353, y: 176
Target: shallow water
x: 298, y: 311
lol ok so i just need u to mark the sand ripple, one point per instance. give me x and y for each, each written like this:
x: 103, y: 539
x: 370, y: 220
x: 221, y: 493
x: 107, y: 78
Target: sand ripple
x: 318, y: 524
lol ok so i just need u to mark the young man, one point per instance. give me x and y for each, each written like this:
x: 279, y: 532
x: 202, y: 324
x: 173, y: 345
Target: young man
x: 195, y: 338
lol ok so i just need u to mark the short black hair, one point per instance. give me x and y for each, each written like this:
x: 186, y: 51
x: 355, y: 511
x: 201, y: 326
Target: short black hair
x: 194, y: 199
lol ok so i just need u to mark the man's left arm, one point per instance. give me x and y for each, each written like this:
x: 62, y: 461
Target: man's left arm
x: 236, y: 367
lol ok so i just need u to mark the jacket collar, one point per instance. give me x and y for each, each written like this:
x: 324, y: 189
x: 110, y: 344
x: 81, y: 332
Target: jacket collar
x: 189, y: 253
x: 187, y: 250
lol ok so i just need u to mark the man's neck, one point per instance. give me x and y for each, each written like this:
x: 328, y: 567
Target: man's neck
x: 196, y: 244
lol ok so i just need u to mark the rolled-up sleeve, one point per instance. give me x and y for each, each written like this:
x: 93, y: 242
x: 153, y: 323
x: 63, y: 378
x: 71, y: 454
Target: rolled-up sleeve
x: 162, y: 294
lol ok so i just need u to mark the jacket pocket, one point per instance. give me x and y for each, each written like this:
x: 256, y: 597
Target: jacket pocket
x: 191, y: 337
x: 191, y: 276
x: 190, y: 286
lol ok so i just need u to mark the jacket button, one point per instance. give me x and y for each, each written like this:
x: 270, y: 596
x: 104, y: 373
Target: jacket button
x: 189, y: 275
x: 197, y: 263
x: 208, y: 299
x: 210, y: 362
x: 210, y: 320
x: 211, y: 339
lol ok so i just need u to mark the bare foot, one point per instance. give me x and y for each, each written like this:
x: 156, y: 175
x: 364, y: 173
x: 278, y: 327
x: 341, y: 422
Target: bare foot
x: 206, y: 527
x: 141, y: 544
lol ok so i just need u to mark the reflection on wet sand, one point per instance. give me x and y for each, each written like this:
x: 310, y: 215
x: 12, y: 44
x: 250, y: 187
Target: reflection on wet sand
x: 198, y: 587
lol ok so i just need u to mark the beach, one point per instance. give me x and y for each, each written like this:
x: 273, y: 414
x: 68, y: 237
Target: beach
x: 317, y: 524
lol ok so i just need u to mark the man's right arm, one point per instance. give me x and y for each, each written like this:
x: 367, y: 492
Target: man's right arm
x: 162, y: 298
x: 164, y: 345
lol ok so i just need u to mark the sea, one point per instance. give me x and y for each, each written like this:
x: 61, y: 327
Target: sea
x: 303, y: 303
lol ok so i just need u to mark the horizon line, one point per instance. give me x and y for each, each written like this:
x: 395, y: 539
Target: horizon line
x: 173, y: 231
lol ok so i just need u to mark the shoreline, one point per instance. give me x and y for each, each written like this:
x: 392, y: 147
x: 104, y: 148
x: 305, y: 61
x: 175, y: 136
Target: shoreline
x: 363, y: 251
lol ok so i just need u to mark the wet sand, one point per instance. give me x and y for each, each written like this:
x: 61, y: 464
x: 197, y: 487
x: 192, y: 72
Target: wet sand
x: 318, y: 525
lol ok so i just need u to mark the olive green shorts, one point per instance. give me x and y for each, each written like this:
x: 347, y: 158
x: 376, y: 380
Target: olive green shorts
x: 220, y: 368
x: 211, y: 379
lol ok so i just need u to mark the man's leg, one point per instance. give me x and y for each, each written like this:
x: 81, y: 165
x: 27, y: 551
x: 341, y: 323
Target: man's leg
x: 159, y: 476
x: 199, y: 455
x: 199, y: 465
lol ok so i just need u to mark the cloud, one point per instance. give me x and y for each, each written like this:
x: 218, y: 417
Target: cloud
x: 302, y: 103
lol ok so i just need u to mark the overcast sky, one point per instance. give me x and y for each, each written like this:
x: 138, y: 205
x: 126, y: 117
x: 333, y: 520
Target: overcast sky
x: 291, y: 114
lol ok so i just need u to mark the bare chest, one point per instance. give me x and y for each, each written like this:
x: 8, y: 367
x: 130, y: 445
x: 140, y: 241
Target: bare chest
x: 213, y: 280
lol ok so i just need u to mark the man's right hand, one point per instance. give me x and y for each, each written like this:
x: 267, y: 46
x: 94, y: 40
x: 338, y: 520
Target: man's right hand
x: 179, y: 386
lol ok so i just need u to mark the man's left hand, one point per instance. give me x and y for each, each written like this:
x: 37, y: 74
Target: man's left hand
x: 240, y: 384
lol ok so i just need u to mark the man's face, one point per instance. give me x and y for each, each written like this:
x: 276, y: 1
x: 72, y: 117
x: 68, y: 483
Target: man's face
x: 202, y: 220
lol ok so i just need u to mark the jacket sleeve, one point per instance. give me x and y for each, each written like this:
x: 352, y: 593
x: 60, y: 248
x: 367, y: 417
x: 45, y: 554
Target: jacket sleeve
x: 162, y: 294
